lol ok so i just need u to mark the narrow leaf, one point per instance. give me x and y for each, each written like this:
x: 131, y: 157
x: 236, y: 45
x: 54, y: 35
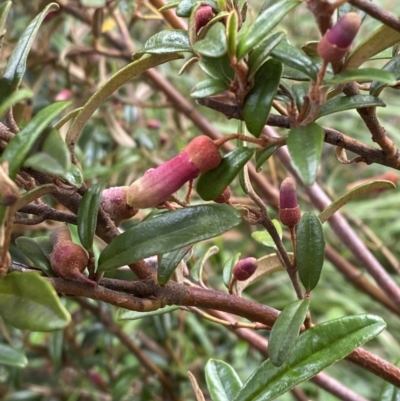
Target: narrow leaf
x: 15, y: 97
x: 168, y: 232
x: 310, y: 245
x: 305, y: 148
x: 223, y: 382
x: 11, y: 357
x: 217, y: 68
x: 125, y: 314
x: 4, y: 10
x: 32, y: 248
x: 362, y: 75
x: 16, y: 64
x: 87, y: 215
x: 228, y: 267
x: 263, y: 155
x: 258, y: 102
x: 196, y: 388
x: 168, y: 263
x: 29, y: 302
x: 264, y: 238
x: 315, y: 349
x: 265, y: 266
x: 356, y: 192
x: 379, y: 40
x: 196, y: 272
x: 251, y: 37
x: 392, y: 66
x: 231, y: 32
x: 166, y: 42
x: 295, y: 58
x: 342, y: 103
x: 214, y: 44
x: 285, y: 331
x: 20, y: 145
x: 260, y: 54
x: 209, y: 87
x: 108, y: 88
x: 224, y: 174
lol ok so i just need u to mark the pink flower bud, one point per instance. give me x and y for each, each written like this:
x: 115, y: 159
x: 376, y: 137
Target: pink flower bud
x: 289, y: 209
x: 153, y: 124
x: 202, y: 16
x: 158, y: 184
x: 337, y: 41
x: 224, y: 197
x: 68, y: 259
x: 113, y: 201
x: 244, y: 268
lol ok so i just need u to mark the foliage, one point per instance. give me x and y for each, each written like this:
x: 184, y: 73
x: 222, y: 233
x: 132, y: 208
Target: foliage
x: 93, y: 93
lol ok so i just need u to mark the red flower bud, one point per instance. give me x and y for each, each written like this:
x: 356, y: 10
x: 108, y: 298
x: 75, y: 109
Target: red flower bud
x: 289, y: 209
x: 244, y: 268
x: 224, y: 197
x: 158, y: 184
x: 68, y: 259
x: 113, y: 201
x: 337, y: 41
x: 202, y: 16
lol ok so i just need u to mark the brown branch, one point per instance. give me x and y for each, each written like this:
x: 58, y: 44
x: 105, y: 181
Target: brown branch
x: 45, y: 212
x: 377, y: 12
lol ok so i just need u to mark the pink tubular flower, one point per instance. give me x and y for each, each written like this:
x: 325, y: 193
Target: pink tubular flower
x: 158, y: 184
x: 289, y: 209
x: 337, y: 41
x: 113, y: 201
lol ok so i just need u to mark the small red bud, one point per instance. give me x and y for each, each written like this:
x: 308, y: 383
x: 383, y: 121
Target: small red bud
x: 337, y: 41
x: 202, y: 16
x: 68, y: 259
x: 158, y: 184
x: 244, y: 268
x: 289, y: 209
x: 153, y: 124
x: 224, y: 197
x: 113, y: 201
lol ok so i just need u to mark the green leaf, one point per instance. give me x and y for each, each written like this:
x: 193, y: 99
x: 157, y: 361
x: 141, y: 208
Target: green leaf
x: 263, y: 155
x: 265, y: 266
x: 260, y: 54
x: 342, y: 103
x: 73, y: 176
x: 393, y: 66
x: 20, y: 145
x: 168, y: 263
x: 264, y: 238
x: 315, y: 349
x: 11, y: 357
x: 217, y: 68
x: 223, y: 382
x: 223, y: 175
x: 305, y: 148
x: 185, y: 7
x: 389, y: 391
x: 125, y: 314
x: 356, y: 192
x: 109, y: 87
x: 166, y: 42
x: 87, y: 215
x: 285, y: 331
x: 196, y: 272
x: 54, y: 158
x: 310, y: 245
x: 16, y: 64
x: 29, y: 302
x: 167, y: 232
x: 251, y: 37
x: 33, y: 249
x: 379, y: 40
x: 214, y: 44
x: 362, y: 75
x: 15, y: 97
x: 300, y: 91
x: 295, y: 58
x: 228, y: 267
x: 258, y: 101
x: 4, y: 10
x: 209, y: 87
x: 232, y: 25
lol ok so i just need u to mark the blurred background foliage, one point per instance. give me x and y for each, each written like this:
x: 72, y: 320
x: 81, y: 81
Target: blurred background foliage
x: 136, y: 129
